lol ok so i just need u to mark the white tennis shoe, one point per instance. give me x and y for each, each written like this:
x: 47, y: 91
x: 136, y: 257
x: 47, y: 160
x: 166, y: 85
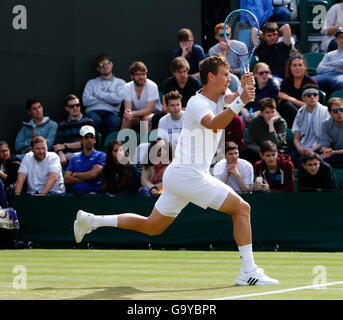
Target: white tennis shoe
x: 255, y: 278
x: 82, y: 225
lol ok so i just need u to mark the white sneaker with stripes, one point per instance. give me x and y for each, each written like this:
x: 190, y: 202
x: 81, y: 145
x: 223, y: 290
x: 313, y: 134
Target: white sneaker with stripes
x: 255, y: 278
x: 82, y: 225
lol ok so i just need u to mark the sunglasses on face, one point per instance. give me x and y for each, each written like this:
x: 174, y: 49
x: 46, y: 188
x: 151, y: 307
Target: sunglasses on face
x: 308, y: 95
x: 337, y: 109
x: 228, y: 34
x: 72, y: 106
x: 101, y: 65
x: 263, y: 72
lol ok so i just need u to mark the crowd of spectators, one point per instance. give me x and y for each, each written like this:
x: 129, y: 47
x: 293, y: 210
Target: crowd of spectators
x: 61, y: 159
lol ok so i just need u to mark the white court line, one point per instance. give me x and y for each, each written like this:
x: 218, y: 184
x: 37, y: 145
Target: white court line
x: 281, y: 291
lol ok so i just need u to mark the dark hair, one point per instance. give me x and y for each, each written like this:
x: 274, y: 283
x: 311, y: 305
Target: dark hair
x: 179, y: 63
x: 211, y: 64
x: 115, y: 176
x: 4, y: 143
x: 288, y: 72
x: 269, y: 27
x: 102, y: 57
x: 171, y: 95
x: 334, y: 100
x: 184, y: 34
x: 137, y: 66
x: 267, y: 102
x: 230, y: 145
x: 31, y: 101
x: 309, y: 86
x: 69, y: 97
x: 311, y: 156
x: 268, y: 145
x: 167, y: 146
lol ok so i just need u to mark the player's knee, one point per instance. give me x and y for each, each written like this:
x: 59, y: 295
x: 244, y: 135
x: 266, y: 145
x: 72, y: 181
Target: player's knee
x: 244, y: 209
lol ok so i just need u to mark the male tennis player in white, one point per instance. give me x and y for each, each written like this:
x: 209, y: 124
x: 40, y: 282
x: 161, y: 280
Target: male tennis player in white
x: 187, y: 178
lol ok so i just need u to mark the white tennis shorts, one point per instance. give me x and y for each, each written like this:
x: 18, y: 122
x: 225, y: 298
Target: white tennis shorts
x: 183, y: 184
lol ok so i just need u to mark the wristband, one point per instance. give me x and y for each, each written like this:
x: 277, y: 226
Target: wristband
x: 237, y: 105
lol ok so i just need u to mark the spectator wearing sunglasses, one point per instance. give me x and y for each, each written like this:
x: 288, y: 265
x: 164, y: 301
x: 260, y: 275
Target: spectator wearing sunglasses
x: 266, y: 87
x: 67, y: 142
x: 103, y: 97
x: 291, y: 88
x: 330, y: 69
x: 307, y: 126
x: 222, y: 48
x: 332, y: 134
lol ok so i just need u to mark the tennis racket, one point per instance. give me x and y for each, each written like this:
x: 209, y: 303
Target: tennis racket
x: 245, y: 31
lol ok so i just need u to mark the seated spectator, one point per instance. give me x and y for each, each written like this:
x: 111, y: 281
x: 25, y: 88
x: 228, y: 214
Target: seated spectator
x: 119, y: 176
x: 330, y: 69
x: 67, y: 141
x: 39, y: 125
x: 141, y: 98
x: 281, y: 11
x: 266, y: 86
x: 180, y: 81
x: 84, y: 169
x: 291, y: 87
x: 170, y: 125
x: 222, y: 48
x: 234, y: 131
x: 276, y: 170
x: 235, y: 172
x: 332, y: 134
x: 267, y: 126
x: 307, y: 126
x: 103, y: 96
x: 315, y: 174
x: 41, y: 169
x: 333, y: 20
x: 273, y: 52
x: 9, y: 165
x: 194, y: 53
x: 159, y: 157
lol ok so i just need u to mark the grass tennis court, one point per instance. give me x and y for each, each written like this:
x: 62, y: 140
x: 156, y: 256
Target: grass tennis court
x: 162, y: 275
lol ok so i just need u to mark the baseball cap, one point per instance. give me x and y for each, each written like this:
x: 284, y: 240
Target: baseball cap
x: 87, y: 129
x: 338, y: 30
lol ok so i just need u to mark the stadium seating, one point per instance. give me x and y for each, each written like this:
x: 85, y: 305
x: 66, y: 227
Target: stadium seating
x: 289, y: 139
x: 322, y: 97
x: 312, y: 60
x: 339, y: 177
x: 338, y: 93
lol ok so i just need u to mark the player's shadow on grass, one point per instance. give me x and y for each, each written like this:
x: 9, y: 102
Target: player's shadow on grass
x: 121, y: 293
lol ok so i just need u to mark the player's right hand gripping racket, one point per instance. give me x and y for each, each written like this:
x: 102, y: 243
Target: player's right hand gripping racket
x: 245, y: 30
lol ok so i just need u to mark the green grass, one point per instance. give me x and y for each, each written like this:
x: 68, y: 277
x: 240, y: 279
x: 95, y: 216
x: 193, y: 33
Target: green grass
x: 160, y: 275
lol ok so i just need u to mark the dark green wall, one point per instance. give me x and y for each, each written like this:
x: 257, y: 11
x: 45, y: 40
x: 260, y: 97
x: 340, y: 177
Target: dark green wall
x: 55, y: 55
x: 289, y: 221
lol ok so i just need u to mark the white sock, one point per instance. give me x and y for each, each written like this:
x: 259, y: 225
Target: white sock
x: 105, y: 221
x: 247, y: 258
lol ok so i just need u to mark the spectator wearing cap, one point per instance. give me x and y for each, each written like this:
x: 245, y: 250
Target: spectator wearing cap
x: 307, y: 125
x: 84, y: 169
x: 330, y: 70
x: 67, y: 142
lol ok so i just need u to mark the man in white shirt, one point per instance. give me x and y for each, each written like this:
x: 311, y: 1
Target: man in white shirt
x: 170, y: 125
x: 141, y: 97
x: 187, y: 178
x: 103, y: 96
x: 235, y: 172
x: 42, y: 169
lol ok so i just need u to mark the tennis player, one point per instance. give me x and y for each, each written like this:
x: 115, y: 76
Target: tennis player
x: 187, y: 178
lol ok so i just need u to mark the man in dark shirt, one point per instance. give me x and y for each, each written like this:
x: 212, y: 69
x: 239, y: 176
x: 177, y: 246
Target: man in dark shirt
x: 315, y: 175
x: 180, y: 81
x: 273, y: 52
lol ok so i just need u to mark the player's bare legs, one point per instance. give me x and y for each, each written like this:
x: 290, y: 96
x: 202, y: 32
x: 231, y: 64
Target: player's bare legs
x: 240, y: 212
x: 153, y: 225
